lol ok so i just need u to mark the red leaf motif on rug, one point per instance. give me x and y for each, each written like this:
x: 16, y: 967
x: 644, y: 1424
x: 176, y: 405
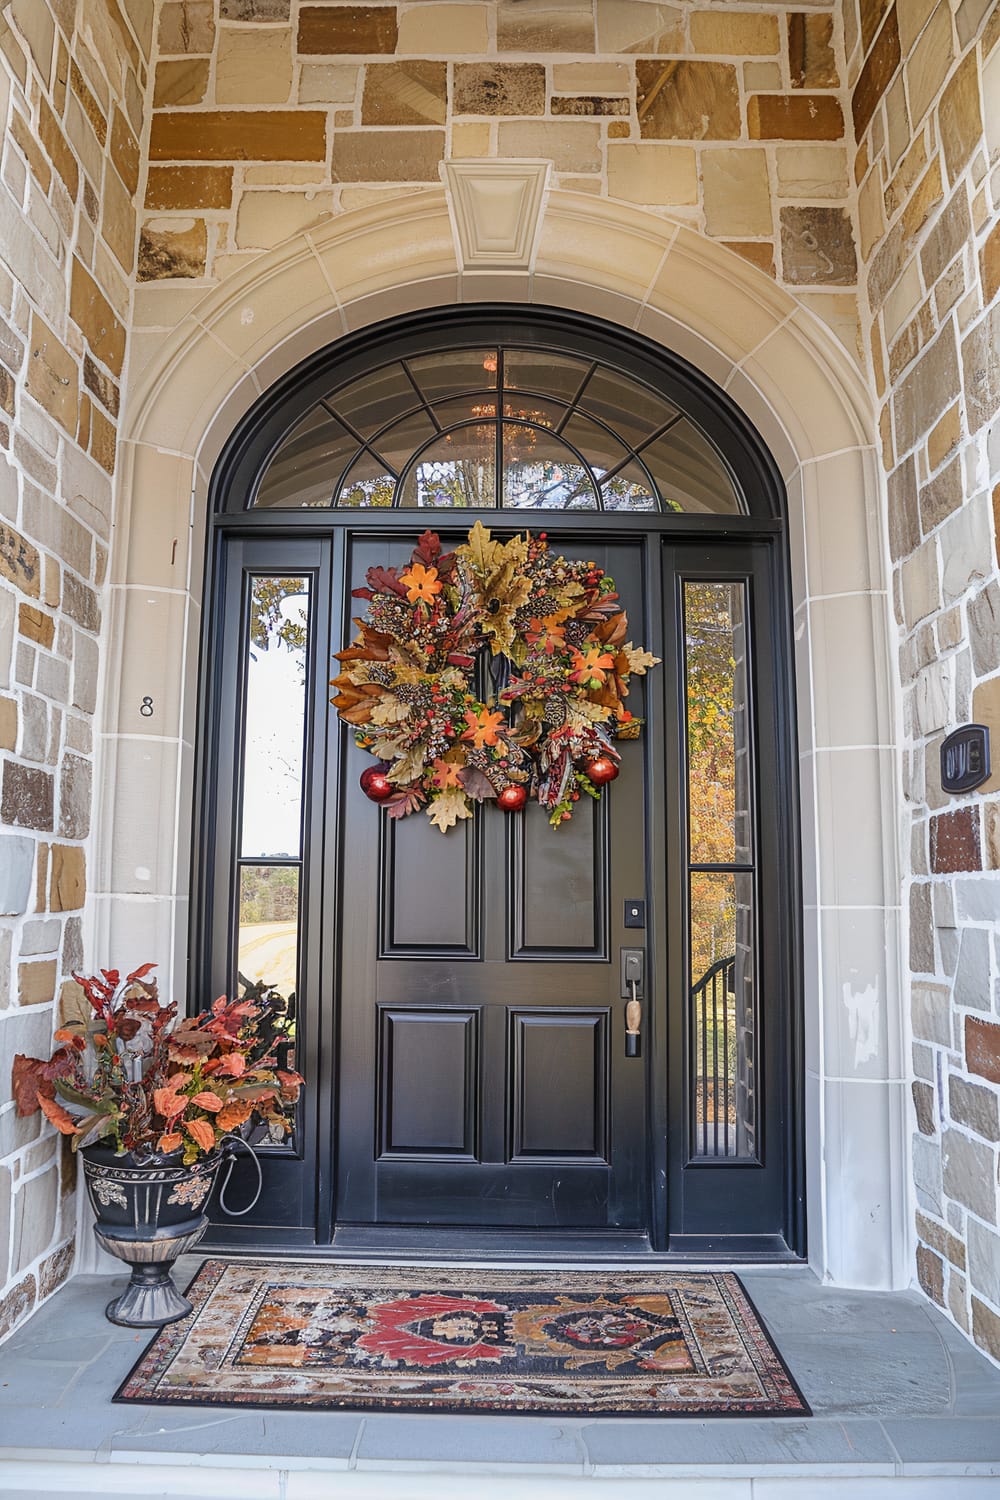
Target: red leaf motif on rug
x: 434, y: 1329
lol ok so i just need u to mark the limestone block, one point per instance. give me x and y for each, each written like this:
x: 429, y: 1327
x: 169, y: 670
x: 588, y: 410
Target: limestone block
x: 8, y: 723
x: 17, y: 1304
x: 732, y: 34
x: 951, y: 231
x: 5, y: 1212
x: 571, y: 147
x: 172, y: 249
x: 344, y: 29
x: 637, y: 26
x: 470, y: 139
x: 41, y: 936
x: 36, y: 982
x: 929, y: 62
x: 959, y: 119
x: 431, y: 30
x: 977, y: 1108
x: 817, y: 247
x: 253, y: 67
x: 254, y: 10
x: 238, y: 135
x: 691, y: 101
x: 812, y: 172
x: 652, y: 173
x: 938, y: 499
x: 34, y: 741
x: 35, y: 24
x: 984, y: 1251
x: 794, y: 117
x: 55, y: 1269
x: 30, y: 262
x: 35, y: 1205
x: 595, y: 104
x: 811, y: 60
x: 328, y: 83
x: 927, y: 1173
x: 383, y: 156
x: 930, y: 1274
x: 499, y: 89
x: 550, y: 26
x: 8, y: 615
x: 984, y: 629
x: 17, y: 866
x: 94, y: 316
x: 74, y: 798
x: 26, y: 797
x: 405, y: 93
x: 923, y: 1105
x: 969, y: 1174
x: 181, y: 81
x: 590, y: 78
x: 737, y: 195
x: 68, y: 877
x: 965, y: 546
x: 924, y: 393
x: 265, y: 219
x: 981, y: 366
x: 187, y: 26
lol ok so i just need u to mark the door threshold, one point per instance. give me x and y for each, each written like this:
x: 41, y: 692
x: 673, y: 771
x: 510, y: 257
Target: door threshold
x: 436, y: 1245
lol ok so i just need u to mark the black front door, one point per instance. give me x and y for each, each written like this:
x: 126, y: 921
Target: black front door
x: 455, y: 1000
x: 483, y: 1079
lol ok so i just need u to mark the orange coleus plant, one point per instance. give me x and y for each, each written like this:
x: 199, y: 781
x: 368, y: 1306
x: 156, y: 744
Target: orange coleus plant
x: 131, y: 1075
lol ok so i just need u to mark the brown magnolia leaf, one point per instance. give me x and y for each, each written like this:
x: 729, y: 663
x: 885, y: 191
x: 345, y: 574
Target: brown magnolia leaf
x: 390, y: 711
x: 476, y: 785
x: 57, y: 1116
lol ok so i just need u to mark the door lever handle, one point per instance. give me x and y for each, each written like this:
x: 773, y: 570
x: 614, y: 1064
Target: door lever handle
x: 633, y: 1023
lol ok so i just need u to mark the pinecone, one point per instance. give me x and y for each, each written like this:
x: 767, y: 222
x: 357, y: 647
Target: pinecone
x: 576, y: 632
x: 555, y: 712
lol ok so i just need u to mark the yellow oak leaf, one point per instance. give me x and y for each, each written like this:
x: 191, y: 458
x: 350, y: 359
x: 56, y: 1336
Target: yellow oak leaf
x: 446, y: 808
x: 638, y: 660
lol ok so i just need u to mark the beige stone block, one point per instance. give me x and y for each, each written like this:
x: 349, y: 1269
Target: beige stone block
x: 471, y: 139
x: 902, y: 302
x: 651, y: 173
x: 36, y: 982
x: 913, y: 16
x: 871, y: 219
x: 920, y: 585
x: 733, y: 34
x: 384, y: 156
x: 414, y: 92
x: 817, y: 247
x: 53, y: 375
x: 787, y: 362
x: 929, y: 63
x: 959, y: 119
x: 811, y: 171
x: 762, y: 77
x: 282, y: 176
x: 897, y: 120
x: 183, y: 81
x: 571, y: 147
x: 363, y: 197
x: 186, y: 26
x: 811, y: 59
x: 548, y: 26
x: 499, y: 88
x: 156, y: 624
x: 328, y: 83
x: 839, y: 311
x: 699, y: 298
x: 636, y: 26
x: 737, y: 195
x: 68, y: 877
x: 590, y: 78
x: 8, y: 723
x: 265, y: 219
x: 253, y: 67
x: 616, y: 258
x: 443, y: 30
x: 759, y: 253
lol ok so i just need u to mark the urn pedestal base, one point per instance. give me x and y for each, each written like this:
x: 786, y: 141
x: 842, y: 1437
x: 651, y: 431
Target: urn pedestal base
x: 151, y: 1299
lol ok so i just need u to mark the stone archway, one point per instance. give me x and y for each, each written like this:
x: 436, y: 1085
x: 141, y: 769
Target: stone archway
x: 811, y: 406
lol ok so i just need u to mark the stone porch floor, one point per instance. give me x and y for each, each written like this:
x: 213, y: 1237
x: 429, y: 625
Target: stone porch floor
x: 904, y: 1406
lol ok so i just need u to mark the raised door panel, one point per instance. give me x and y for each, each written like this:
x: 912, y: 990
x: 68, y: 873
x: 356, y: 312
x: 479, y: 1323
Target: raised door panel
x: 559, y: 1085
x: 427, y: 1069
x: 430, y: 889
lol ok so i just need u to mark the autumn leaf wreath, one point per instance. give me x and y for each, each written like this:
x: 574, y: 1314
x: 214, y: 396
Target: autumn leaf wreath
x: 406, y: 687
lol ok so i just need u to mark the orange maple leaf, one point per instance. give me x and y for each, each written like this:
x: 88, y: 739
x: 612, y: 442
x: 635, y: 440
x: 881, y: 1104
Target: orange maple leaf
x: 546, y: 635
x: 421, y: 583
x: 482, y: 728
x: 445, y: 773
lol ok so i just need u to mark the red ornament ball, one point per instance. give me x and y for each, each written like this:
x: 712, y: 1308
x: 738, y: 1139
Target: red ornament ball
x: 375, y: 784
x: 600, y: 770
x: 512, y: 798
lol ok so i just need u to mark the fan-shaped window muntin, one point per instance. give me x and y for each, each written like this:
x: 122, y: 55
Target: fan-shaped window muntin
x: 612, y: 442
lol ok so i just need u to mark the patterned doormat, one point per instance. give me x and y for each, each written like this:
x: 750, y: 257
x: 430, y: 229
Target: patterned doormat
x: 291, y: 1336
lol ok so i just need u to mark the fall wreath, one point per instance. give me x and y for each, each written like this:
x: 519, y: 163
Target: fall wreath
x: 547, y: 730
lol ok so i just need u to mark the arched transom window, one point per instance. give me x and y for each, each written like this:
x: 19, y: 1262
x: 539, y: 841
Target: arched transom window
x: 498, y: 427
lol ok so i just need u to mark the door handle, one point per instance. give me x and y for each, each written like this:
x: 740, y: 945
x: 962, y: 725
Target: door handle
x: 633, y: 963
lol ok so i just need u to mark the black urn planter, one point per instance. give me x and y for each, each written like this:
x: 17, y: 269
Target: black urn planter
x: 149, y: 1212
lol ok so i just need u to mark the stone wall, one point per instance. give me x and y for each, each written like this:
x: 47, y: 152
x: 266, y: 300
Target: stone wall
x: 269, y: 114
x: 73, y: 75
x: 925, y: 101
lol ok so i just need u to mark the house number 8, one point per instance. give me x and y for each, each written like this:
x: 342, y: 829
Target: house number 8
x: 146, y: 708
